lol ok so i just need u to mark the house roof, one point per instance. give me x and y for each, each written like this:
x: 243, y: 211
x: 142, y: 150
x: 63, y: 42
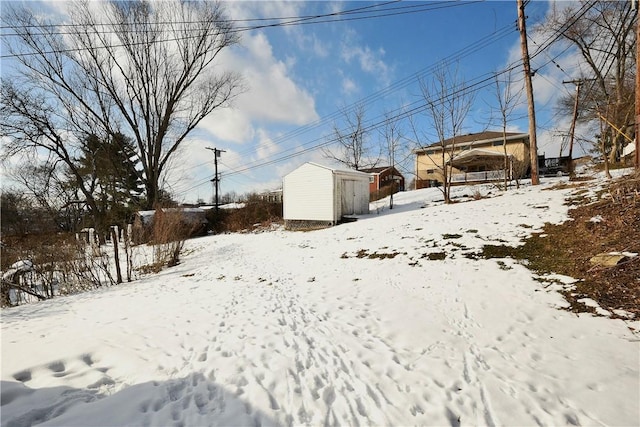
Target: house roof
x: 375, y: 170
x: 481, y: 138
x: 475, y: 155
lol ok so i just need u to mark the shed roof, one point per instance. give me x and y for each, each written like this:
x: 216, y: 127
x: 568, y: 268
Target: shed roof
x: 341, y: 171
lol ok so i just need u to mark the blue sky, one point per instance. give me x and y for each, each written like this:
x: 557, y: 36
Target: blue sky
x: 298, y: 78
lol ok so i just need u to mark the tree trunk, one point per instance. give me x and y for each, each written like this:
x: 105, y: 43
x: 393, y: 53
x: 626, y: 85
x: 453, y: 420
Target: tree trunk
x: 116, y: 258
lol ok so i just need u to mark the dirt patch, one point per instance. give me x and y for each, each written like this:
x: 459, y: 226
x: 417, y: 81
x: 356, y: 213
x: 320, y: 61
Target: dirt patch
x: 435, y: 256
x: 609, y: 224
x: 451, y: 236
x: 364, y: 253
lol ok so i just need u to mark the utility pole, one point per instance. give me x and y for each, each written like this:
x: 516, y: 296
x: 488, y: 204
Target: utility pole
x: 533, y: 145
x: 216, y: 178
x: 634, y: 5
x: 393, y: 177
x: 572, y: 131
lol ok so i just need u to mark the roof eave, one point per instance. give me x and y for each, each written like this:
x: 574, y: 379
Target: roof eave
x: 438, y: 146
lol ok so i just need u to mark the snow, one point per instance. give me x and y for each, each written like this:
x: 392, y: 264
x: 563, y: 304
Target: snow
x: 233, y: 206
x: 596, y: 219
x: 22, y: 266
x: 294, y: 328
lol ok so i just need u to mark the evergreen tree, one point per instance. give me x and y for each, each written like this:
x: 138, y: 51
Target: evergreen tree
x: 108, y: 168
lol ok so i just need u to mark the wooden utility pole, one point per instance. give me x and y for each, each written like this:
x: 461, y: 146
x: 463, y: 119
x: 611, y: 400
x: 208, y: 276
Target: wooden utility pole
x: 533, y: 146
x: 634, y: 4
x: 572, y: 130
x: 216, y: 178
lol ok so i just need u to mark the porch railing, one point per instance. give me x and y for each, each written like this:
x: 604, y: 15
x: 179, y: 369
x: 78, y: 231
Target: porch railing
x: 485, y: 176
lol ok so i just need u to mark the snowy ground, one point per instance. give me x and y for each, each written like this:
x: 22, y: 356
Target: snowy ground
x: 294, y: 328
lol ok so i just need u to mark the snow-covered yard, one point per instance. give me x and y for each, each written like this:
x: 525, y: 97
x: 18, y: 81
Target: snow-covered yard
x: 359, y: 324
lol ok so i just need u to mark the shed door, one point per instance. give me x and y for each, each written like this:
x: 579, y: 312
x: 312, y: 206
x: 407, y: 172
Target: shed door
x: 348, y: 197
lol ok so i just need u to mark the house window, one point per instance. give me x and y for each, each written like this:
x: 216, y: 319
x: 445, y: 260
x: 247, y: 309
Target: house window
x: 430, y: 152
x: 371, y: 179
x: 497, y: 143
x: 430, y: 171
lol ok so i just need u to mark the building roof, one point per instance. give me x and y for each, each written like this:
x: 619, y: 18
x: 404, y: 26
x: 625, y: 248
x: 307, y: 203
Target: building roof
x: 480, y: 138
x: 375, y: 170
x: 352, y: 172
x: 475, y: 155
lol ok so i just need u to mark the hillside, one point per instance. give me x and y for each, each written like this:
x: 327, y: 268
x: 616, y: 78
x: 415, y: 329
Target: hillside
x: 396, y: 319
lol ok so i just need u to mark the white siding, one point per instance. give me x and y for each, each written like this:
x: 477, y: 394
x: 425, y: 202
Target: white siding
x: 317, y: 193
x: 308, y: 194
x: 353, y: 196
x: 362, y: 196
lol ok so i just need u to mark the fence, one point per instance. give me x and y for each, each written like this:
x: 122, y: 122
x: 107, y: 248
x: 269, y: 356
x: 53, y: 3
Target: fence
x: 486, y: 176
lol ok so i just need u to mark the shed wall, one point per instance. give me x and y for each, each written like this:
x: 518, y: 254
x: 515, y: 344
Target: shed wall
x: 352, y: 196
x: 308, y: 194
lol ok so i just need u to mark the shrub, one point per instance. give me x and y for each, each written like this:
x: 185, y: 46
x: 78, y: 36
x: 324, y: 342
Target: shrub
x: 61, y: 265
x: 255, y: 212
x: 169, y: 232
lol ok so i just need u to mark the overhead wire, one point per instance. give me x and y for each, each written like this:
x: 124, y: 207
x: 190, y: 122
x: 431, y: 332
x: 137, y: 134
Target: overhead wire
x: 415, y: 110
x: 396, y: 86
x: 388, y: 11
x: 379, y: 7
x: 551, y: 39
x: 314, y: 144
x: 321, y: 142
x: 411, y: 79
x: 306, y: 20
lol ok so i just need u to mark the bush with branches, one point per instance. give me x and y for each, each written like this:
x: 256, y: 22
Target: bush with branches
x: 59, y: 265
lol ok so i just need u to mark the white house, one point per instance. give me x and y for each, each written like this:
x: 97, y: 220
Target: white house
x: 316, y: 195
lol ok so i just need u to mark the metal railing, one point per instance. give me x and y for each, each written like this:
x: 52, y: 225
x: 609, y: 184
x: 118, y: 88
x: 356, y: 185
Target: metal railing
x: 485, y: 176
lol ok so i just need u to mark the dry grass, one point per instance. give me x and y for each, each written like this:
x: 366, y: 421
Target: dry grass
x: 170, y: 229
x: 254, y: 215
x: 62, y: 266
x: 567, y: 248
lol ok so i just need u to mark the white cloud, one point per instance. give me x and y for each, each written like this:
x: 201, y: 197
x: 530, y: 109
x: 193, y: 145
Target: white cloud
x: 369, y: 60
x: 348, y: 86
x: 229, y: 124
x: 310, y: 43
x: 301, y: 35
x: 266, y: 147
x: 271, y: 94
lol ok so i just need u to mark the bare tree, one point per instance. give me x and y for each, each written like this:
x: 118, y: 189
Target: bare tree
x: 352, y: 147
x: 53, y: 196
x: 605, y: 38
x: 142, y: 69
x: 448, y: 102
x: 508, y: 99
x: 393, y: 137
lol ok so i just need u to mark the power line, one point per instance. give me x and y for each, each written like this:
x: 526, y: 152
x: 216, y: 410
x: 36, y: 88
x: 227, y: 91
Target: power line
x: 474, y: 47
x: 419, y: 106
x: 479, y: 85
x: 306, y: 20
x: 416, y: 107
x: 467, y: 50
x: 411, y: 79
x: 379, y: 7
x: 346, y: 12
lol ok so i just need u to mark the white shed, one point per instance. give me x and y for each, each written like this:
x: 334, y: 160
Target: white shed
x: 316, y: 195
